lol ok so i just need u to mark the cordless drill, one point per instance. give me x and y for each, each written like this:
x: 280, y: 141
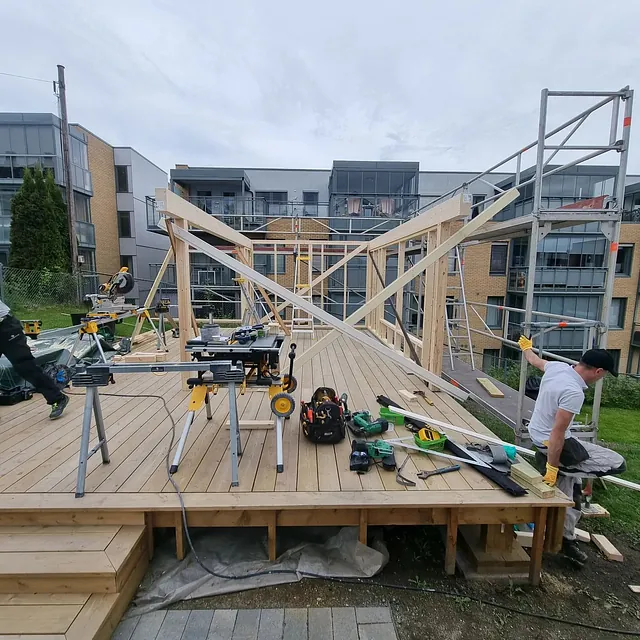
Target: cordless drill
x: 364, y: 454
x: 362, y: 425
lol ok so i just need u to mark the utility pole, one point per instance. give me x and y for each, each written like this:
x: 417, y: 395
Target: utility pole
x: 66, y: 163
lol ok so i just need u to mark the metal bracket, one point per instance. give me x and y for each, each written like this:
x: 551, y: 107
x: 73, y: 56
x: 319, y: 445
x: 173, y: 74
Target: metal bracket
x: 607, y: 229
x: 544, y: 230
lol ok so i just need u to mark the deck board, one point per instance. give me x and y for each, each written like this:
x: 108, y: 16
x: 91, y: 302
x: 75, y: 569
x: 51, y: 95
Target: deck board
x: 38, y: 460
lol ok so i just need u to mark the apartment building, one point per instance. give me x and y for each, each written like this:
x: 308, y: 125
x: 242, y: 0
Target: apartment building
x: 111, y: 186
x: 30, y: 139
x: 359, y: 200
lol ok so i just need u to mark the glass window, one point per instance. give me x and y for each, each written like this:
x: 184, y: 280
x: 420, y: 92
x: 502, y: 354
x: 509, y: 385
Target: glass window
x: 18, y: 141
x: 498, y: 261
x: 624, y: 260
x: 127, y: 261
x: 583, y: 187
x: 342, y: 182
x: 83, y: 207
x: 122, y: 178
x: 310, y: 203
x: 568, y: 186
x: 263, y: 263
x: 355, y: 182
x: 382, y: 182
x: 495, y: 315
x: 369, y: 182
x: 124, y: 224
x: 617, y: 312
x: 5, y: 143
x: 33, y: 141
x: 395, y: 182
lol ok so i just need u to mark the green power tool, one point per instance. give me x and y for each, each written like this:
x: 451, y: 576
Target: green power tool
x: 361, y: 424
x: 364, y: 454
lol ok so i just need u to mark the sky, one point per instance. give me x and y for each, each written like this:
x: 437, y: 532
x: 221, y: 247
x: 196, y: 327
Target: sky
x: 454, y: 85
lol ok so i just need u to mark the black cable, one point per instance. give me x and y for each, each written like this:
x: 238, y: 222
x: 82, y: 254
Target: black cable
x: 355, y: 581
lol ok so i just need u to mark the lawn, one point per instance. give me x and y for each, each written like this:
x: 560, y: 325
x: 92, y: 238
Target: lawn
x: 620, y: 430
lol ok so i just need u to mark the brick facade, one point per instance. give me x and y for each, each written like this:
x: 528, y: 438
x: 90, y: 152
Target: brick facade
x: 103, y: 204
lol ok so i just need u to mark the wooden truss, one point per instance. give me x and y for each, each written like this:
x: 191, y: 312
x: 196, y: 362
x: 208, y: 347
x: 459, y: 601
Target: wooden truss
x: 440, y: 228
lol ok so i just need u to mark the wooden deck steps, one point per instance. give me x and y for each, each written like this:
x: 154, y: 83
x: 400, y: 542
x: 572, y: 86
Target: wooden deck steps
x: 68, y: 582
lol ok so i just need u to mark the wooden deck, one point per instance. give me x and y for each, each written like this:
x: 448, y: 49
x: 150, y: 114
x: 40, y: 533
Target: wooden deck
x: 38, y: 462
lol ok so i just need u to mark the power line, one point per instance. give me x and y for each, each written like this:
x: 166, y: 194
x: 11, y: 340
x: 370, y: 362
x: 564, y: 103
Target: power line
x: 13, y: 75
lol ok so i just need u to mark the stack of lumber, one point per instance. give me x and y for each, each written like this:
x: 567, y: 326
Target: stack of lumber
x: 524, y: 474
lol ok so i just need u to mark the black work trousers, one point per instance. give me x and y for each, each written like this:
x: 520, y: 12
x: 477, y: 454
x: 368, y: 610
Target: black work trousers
x: 13, y: 345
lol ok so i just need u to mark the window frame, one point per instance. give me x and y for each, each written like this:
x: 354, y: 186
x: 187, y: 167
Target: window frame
x: 493, y: 272
x: 128, y: 214
x: 128, y: 263
x: 625, y: 273
x: 499, y: 312
x: 622, y: 312
x: 127, y: 188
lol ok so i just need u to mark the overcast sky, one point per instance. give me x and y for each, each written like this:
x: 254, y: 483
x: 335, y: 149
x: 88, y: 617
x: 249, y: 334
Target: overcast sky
x: 288, y: 83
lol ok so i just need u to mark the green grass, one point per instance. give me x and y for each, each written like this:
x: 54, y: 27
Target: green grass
x: 619, y: 429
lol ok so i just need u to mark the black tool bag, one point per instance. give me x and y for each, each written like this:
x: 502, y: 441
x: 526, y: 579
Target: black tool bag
x: 322, y: 419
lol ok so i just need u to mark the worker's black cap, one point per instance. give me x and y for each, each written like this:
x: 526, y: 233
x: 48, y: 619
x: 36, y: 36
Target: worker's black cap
x: 600, y: 359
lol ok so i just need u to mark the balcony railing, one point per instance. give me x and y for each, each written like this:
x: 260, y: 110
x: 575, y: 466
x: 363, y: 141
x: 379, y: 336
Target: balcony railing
x: 254, y: 214
x: 559, y: 279
x: 86, y: 234
x: 632, y: 215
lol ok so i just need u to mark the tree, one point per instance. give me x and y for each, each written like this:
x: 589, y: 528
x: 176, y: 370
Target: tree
x: 39, y: 239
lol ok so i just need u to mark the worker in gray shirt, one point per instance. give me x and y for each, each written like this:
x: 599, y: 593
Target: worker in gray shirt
x: 560, y: 398
x: 13, y: 345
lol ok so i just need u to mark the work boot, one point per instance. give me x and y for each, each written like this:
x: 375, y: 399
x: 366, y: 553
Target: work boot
x: 58, y: 407
x: 572, y: 551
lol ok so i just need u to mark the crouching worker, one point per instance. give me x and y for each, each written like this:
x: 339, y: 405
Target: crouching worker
x: 560, y: 398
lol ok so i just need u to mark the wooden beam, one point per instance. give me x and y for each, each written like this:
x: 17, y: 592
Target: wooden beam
x: 490, y: 388
x: 608, y: 550
x: 399, y: 283
x: 316, y: 312
x: 173, y: 206
x: 359, y: 249
x: 452, y: 539
x: 447, y: 211
x: 362, y: 528
x: 152, y: 292
x: 400, y: 298
x: 266, y: 296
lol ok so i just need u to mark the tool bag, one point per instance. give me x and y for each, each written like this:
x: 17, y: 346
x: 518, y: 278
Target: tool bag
x: 323, y: 419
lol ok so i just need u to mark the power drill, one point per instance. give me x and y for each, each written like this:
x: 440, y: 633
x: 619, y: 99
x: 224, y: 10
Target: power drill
x: 362, y: 425
x: 364, y: 454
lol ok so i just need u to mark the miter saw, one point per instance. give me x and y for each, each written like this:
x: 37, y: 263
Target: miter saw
x: 110, y: 296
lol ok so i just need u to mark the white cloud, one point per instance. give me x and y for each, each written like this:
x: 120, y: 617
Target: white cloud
x: 454, y: 85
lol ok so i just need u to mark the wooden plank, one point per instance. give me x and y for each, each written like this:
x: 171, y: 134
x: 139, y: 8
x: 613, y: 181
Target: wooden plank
x: 123, y: 547
x: 33, y: 599
x: 606, y: 547
x: 407, y: 395
x: 173, y: 206
x: 524, y: 538
x: 490, y: 388
x: 454, y: 208
x: 40, y: 619
x: 635, y: 588
x: 582, y: 536
x: 73, y: 541
x: 398, y: 284
x: 321, y: 314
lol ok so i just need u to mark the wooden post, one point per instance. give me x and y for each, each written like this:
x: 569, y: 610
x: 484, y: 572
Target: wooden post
x: 183, y: 281
x: 362, y: 532
x: 344, y: 284
x: 537, y: 545
x: 148, y: 522
x: 555, y: 529
x: 271, y: 536
x: 452, y: 539
x: 397, y: 335
x: 180, y: 540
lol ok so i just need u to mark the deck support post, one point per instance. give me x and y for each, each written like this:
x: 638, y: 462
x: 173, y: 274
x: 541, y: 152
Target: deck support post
x: 148, y: 522
x: 452, y: 539
x: 555, y: 530
x: 180, y: 539
x: 271, y: 536
x: 540, y: 523
x: 362, y: 533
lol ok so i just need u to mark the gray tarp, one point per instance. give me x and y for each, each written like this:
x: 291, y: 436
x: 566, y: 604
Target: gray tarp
x: 326, y: 552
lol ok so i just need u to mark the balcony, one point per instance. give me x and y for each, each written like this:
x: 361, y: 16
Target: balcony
x: 86, y: 235
x: 253, y: 214
x: 561, y: 279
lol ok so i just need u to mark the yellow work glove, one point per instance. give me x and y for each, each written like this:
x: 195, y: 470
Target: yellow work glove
x: 551, y: 477
x: 525, y: 343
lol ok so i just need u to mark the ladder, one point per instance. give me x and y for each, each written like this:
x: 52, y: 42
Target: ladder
x: 457, y: 322
x: 250, y: 311
x: 301, y: 320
